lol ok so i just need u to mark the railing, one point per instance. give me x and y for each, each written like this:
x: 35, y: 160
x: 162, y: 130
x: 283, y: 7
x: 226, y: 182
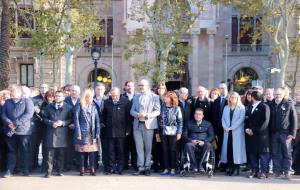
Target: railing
x: 19, y: 42
x: 248, y: 48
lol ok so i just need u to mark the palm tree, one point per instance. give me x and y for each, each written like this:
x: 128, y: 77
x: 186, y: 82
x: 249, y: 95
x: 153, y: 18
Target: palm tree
x: 4, y: 45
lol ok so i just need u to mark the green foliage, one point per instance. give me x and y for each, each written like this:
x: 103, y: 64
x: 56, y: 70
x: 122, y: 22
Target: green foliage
x: 274, y: 16
x: 60, y: 24
x: 165, y: 22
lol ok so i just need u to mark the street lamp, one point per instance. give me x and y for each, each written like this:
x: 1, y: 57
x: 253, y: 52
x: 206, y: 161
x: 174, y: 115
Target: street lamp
x: 96, y: 54
x: 226, y: 55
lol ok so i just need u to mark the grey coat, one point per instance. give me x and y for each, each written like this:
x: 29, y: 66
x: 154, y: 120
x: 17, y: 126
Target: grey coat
x: 19, y: 114
x: 152, y: 109
x: 238, y: 134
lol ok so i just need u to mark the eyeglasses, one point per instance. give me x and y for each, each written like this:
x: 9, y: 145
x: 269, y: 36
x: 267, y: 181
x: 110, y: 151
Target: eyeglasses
x: 141, y: 85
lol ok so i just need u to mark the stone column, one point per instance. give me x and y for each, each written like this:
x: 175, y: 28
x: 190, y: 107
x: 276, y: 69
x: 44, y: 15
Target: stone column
x: 211, y: 51
x: 193, y: 67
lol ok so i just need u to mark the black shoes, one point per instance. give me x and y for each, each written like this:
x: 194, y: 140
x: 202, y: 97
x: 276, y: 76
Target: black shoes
x: 93, y: 172
x: 142, y: 172
x: 253, y: 175
x: 147, y: 172
x: 236, y: 172
x: 26, y: 173
x: 47, y: 175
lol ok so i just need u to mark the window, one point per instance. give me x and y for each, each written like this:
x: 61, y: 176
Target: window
x: 242, y: 30
x: 27, y: 75
x: 105, y: 40
x: 20, y: 20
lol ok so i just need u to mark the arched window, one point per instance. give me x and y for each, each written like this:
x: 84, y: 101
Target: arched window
x: 242, y: 79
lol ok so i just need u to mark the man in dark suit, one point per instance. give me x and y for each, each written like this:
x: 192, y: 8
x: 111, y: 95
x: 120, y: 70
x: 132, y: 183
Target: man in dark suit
x: 201, y: 101
x: 37, y: 127
x: 217, y: 112
x: 198, y: 134
x: 296, y: 143
x: 257, y: 136
x: 99, y: 99
x: 130, y: 151
x: 71, y: 158
x: 185, y: 104
x: 57, y: 117
x: 185, y: 107
x: 116, y: 118
x: 283, y: 129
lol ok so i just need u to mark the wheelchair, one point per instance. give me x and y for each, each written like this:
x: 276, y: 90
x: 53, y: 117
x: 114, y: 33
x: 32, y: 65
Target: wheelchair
x: 208, y: 163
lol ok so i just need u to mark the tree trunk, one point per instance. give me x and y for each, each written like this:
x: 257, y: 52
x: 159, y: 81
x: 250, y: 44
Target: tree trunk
x: 4, y: 45
x: 69, y: 66
x: 163, y: 62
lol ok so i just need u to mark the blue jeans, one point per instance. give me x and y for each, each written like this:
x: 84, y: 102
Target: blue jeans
x: 18, y: 144
x: 259, y: 161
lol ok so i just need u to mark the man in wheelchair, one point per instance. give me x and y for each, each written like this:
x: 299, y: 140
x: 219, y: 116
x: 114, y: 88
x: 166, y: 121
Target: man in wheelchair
x: 198, y: 135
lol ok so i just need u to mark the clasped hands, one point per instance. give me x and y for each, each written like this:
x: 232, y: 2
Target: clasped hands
x: 58, y: 123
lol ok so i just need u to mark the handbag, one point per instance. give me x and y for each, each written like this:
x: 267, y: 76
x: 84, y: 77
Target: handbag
x: 170, y: 130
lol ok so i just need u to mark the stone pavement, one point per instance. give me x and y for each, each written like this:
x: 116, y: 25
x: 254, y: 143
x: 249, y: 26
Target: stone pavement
x: 71, y: 181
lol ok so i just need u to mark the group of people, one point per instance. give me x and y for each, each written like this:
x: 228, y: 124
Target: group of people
x: 148, y: 130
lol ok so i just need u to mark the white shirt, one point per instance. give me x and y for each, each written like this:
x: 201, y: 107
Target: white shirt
x: 59, y: 105
x: 130, y: 96
x: 74, y: 101
x: 254, y: 106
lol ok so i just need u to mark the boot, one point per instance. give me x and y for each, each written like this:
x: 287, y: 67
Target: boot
x: 229, y: 171
x: 236, y: 172
x: 93, y: 172
x: 81, y: 172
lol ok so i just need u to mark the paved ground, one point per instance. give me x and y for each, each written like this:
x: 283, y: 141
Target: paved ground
x: 71, y: 181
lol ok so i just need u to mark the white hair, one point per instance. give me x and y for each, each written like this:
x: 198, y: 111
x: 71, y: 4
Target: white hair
x: 183, y: 90
x: 115, y: 89
x: 15, y: 87
x: 76, y: 87
x: 26, y: 92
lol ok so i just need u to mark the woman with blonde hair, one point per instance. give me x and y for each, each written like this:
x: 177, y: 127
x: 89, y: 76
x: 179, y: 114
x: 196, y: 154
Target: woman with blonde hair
x: 87, y: 130
x: 233, y: 149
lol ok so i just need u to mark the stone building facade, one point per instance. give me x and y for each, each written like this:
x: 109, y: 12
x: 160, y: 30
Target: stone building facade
x: 218, y: 53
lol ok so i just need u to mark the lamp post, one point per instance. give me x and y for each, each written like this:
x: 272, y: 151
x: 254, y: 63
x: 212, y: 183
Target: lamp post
x: 96, y: 54
x: 226, y: 55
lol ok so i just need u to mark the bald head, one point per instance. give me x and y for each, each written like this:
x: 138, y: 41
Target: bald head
x: 115, y: 93
x: 201, y: 92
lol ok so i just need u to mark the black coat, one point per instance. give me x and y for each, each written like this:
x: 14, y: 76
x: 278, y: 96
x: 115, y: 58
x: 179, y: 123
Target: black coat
x: 258, y: 122
x: 186, y: 112
x: 204, y: 132
x: 57, y: 137
x: 283, y: 118
x: 203, y: 104
x: 217, y: 112
x: 36, y: 121
x: 248, y: 109
x: 124, y: 95
x: 116, y: 118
